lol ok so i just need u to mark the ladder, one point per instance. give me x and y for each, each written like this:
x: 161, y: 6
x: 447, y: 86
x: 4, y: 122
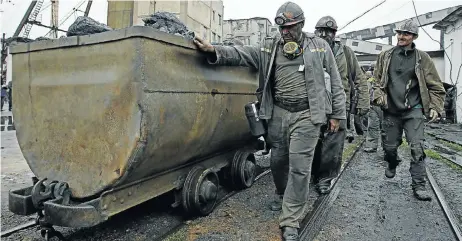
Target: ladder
x: 32, y: 18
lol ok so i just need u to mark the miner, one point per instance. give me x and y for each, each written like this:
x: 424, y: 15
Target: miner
x: 328, y: 157
x: 408, y: 89
x: 295, y: 101
x: 374, y: 128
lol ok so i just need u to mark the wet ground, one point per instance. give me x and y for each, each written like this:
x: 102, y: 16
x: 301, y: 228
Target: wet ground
x: 371, y: 205
x: 368, y: 205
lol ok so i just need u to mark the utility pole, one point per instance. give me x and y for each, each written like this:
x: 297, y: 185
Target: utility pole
x: 87, y: 10
x: 3, y: 53
x: 54, y: 18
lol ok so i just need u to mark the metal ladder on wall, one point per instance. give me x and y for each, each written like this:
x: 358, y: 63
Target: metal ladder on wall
x: 32, y: 18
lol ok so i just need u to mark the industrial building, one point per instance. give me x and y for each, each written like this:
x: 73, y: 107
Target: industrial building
x: 451, y: 29
x: 205, y: 18
x: 250, y: 31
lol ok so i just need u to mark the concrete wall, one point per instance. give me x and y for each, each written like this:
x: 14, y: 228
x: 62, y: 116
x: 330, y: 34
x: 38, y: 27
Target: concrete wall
x: 205, y: 18
x: 453, y: 39
x: 440, y: 67
x: 250, y: 31
x: 120, y: 14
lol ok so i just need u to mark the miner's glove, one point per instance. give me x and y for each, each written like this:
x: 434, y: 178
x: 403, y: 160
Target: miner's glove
x: 433, y: 115
x: 362, y: 111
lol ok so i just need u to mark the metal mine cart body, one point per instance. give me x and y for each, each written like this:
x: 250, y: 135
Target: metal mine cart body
x: 111, y: 120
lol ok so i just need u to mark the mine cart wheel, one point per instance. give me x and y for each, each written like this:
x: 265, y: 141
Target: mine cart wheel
x: 243, y: 170
x: 200, y: 191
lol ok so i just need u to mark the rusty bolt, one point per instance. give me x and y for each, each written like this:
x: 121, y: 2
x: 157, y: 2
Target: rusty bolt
x: 114, y: 198
x: 129, y: 193
x: 121, y: 201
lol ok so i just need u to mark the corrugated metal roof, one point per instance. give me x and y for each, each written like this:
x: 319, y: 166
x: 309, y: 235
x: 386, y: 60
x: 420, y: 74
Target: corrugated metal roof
x: 449, y: 20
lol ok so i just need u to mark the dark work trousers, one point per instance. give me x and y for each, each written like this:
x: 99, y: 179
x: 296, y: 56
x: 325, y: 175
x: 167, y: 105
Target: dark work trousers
x: 3, y: 100
x: 293, y: 138
x: 359, y: 124
x: 374, y: 129
x: 328, y: 154
x: 10, y: 100
x: 412, y: 122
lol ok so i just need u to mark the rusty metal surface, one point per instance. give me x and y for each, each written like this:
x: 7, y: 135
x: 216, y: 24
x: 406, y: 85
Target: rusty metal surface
x: 127, y: 196
x: 103, y: 110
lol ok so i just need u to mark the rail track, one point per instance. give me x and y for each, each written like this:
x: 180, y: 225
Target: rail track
x: 312, y: 223
x: 265, y: 172
x: 310, y: 226
x: 448, y: 213
x: 455, y: 158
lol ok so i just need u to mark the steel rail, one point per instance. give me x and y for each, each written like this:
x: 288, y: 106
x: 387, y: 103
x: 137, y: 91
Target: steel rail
x: 177, y: 227
x: 313, y: 222
x: 18, y: 228
x: 445, y: 206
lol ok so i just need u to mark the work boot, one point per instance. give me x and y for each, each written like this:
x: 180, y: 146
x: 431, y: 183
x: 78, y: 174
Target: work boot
x: 370, y: 149
x: 422, y: 194
x: 289, y: 234
x: 323, y: 187
x: 276, y: 204
x: 390, y: 172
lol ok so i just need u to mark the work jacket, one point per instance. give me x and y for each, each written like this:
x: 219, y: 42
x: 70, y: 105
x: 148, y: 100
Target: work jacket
x: 349, y: 68
x: 326, y: 98
x: 432, y: 92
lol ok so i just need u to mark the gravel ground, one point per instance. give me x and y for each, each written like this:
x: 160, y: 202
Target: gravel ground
x: 373, y: 206
x: 244, y: 216
x: 449, y: 132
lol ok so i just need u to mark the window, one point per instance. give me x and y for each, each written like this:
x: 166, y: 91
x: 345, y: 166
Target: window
x: 204, y: 33
x: 219, y: 19
x: 355, y: 43
x: 378, y: 47
x: 219, y: 39
x: 214, y: 37
x: 213, y: 15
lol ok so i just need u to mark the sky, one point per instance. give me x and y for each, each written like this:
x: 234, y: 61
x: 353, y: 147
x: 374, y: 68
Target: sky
x: 343, y: 11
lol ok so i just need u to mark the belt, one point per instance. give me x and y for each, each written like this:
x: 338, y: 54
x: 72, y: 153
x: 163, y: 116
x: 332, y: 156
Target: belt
x: 292, y: 106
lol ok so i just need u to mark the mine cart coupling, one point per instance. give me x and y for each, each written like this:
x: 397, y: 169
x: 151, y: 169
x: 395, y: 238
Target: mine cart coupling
x: 26, y: 201
x: 52, y: 191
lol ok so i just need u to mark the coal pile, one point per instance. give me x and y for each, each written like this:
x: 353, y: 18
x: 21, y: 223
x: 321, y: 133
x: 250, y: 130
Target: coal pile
x: 13, y: 40
x: 168, y: 23
x: 85, y: 25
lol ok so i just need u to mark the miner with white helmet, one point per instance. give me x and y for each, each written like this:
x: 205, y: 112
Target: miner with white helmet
x: 295, y: 101
x: 328, y: 155
x: 408, y: 89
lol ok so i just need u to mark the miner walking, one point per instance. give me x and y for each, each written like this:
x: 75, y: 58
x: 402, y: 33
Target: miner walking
x: 374, y: 127
x: 408, y: 88
x: 328, y: 155
x: 295, y: 101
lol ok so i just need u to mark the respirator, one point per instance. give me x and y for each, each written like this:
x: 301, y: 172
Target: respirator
x: 292, y: 50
